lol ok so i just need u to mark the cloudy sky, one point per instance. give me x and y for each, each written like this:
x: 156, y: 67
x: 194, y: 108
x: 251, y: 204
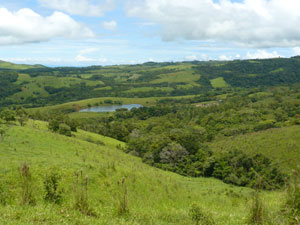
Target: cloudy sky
x: 105, y: 32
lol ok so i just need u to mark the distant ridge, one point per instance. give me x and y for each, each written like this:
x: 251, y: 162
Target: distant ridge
x: 9, y: 65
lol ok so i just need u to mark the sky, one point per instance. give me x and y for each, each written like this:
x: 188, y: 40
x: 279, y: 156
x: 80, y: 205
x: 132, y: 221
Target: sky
x: 110, y: 32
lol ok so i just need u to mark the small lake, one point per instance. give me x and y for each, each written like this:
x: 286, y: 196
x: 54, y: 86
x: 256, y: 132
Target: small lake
x: 111, y: 108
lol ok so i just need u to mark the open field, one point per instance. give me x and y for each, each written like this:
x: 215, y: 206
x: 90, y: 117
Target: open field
x: 281, y: 144
x: 153, y: 196
x: 219, y: 83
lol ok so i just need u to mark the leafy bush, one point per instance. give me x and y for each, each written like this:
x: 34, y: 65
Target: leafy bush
x: 199, y: 216
x: 51, y: 185
x: 8, y: 115
x: 122, y: 198
x: 64, y: 129
x: 292, y: 207
x: 26, y: 184
x: 81, y: 195
x: 3, y: 196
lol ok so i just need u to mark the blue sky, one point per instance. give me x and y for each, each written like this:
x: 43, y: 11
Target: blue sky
x: 106, y: 32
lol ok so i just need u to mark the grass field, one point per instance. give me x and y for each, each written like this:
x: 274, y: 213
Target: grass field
x: 282, y: 145
x: 177, y: 77
x: 8, y: 65
x: 219, y: 83
x: 153, y: 196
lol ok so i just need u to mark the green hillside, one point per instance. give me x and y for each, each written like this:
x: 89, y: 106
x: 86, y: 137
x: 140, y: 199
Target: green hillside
x: 152, y: 196
x: 13, y: 66
x: 34, y: 86
x: 281, y: 144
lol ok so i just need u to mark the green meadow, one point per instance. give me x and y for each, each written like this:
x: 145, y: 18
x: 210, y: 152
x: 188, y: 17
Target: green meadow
x: 151, y: 196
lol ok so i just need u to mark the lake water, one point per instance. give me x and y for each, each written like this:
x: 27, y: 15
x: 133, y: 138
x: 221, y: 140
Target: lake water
x: 111, y: 108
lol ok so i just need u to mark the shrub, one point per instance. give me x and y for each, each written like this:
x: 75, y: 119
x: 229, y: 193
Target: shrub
x: 122, y: 204
x: 199, y: 216
x: 81, y: 195
x: 8, y: 115
x: 3, y: 196
x: 264, y: 125
x: 292, y: 206
x: 26, y: 184
x: 257, y: 209
x: 64, y: 129
x: 51, y: 185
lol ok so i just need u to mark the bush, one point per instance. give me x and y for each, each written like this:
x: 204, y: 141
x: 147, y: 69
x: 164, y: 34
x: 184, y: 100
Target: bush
x: 81, y: 195
x: 292, y: 206
x: 264, y: 125
x: 3, y: 196
x: 199, y: 216
x: 122, y: 201
x: 26, y: 184
x: 51, y: 185
x: 64, y: 129
x: 8, y: 115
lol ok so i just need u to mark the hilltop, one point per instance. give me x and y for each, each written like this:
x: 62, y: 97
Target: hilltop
x: 12, y: 66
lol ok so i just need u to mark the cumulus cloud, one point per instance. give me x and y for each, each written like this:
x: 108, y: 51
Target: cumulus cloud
x: 262, y: 54
x: 109, y: 25
x: 191, y: 57
x: 225, y: 58
x: 26, y: 26
x: 82, y: 58
x: 296, y: 51
x: 251, y: 23
x: 79, y: 7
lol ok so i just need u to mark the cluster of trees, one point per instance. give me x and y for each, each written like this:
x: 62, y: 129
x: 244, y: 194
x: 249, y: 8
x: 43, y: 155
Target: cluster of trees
x: 7, y: 85
x: 254, y: 73
x: 62, y: 124
x: 173, y: 135
x: 9, y: 115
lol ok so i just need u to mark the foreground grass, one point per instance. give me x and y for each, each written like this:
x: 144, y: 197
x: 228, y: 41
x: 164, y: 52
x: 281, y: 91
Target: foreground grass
x: 154, y: 196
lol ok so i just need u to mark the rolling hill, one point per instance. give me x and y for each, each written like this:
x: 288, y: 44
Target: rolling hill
x: 39, y: 86
x: 152, y: 196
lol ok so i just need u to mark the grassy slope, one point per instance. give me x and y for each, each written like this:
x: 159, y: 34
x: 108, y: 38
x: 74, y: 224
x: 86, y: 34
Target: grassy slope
x: 154, y: 196
x: 8, y: 65
x: 219, y: 83
x: 282, y: 145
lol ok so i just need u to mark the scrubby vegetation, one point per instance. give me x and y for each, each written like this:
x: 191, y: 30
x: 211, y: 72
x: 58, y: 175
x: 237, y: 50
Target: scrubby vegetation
x: 215, y: 143
x: 34, y: 86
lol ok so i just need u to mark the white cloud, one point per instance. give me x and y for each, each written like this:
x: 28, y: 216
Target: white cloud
x: 296, y: 51
x: 262, y: 54
x: 79, y: 7
x: 85, y: 59
x: 109, y: 25
x: 225, y: 58
x: 81, y: 58
x: 191, y: 57
x: 251, y: 23
x: 26, y: 26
